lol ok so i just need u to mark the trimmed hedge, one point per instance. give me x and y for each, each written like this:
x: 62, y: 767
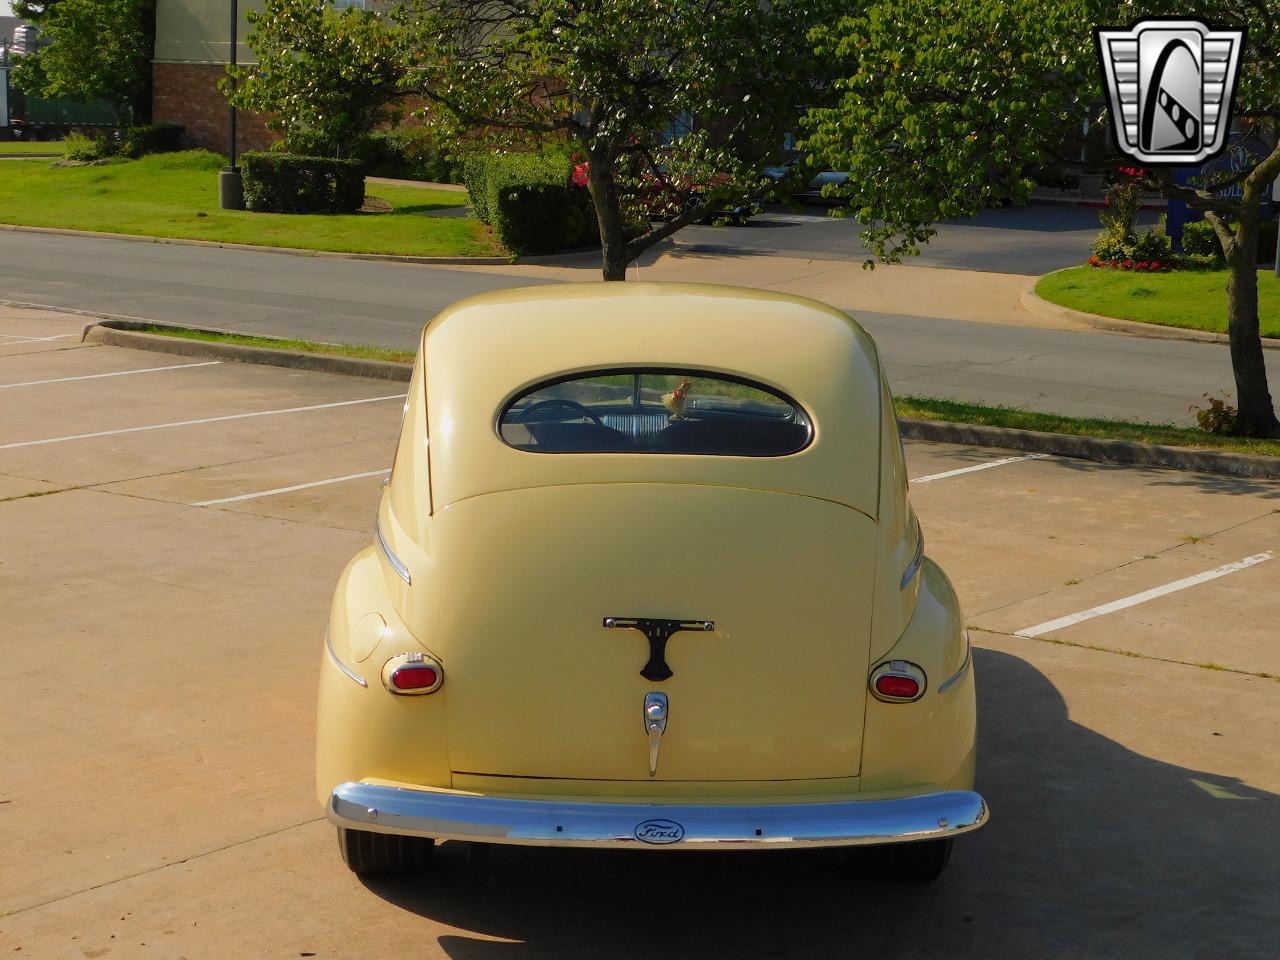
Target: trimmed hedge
x: 530, y: 202
x: 288, y: 183
x: 1198, y: 239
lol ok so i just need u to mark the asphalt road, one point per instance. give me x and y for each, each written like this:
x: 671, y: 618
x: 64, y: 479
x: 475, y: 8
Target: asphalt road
x: 1081, y: 373
x: 1025, y: 240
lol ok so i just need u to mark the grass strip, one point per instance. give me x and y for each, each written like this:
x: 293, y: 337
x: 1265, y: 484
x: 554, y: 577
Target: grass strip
x: 1190, y: 299
x: 361, y: 351
x: 927, y: 408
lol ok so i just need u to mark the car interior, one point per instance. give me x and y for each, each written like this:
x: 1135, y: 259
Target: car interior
x: 655, y: 412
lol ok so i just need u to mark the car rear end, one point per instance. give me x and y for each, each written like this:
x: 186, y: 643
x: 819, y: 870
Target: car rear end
x: 647, y: 574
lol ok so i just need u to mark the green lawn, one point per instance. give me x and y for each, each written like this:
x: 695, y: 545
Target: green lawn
x: 1193, y: 299
x: 176, y: 195
x: 18, y: 148
x: 924, y: 408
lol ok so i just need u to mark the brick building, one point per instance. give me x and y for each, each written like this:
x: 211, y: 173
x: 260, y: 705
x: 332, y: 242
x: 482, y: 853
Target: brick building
x: 192, y: 51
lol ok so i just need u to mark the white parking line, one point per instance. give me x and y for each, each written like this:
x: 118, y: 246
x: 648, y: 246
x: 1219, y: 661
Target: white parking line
x: 981, y: 466
x: 14, y: 338
x: 191, y: 423
x: 1137, y: 598
x: 118, y: 373
x: 296, y: 486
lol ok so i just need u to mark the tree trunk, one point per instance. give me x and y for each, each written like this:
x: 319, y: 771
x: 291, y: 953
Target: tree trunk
x: 605, y: 198
x: 1257, y: 417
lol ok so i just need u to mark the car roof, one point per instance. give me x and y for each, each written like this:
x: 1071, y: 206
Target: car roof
x: 481, y: 352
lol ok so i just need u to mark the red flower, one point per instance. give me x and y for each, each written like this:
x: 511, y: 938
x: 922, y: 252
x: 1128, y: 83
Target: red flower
x: 1142, y: 264
x: 579, y: 176
x: 1128, y: 264
x: 1155, y: 264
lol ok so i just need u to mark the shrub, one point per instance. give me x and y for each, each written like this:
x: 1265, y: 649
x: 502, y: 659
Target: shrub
x: 531, y: 203
x: 1218, y: 417
x: 79, y: 146
x: 287, y: 183
x: 1198, y: 239
x: 153, y: 138
x: 1153, y: 244
x: 1124, y: 200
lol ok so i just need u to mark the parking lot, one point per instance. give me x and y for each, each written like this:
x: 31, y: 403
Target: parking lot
x: 172, y: 530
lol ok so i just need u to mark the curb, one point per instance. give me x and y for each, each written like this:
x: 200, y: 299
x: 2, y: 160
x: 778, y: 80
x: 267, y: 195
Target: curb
x: 287, y: 251
x: 1093, y: 448
x: 1091, y: 203
x: 1036, y: 304
x: 128, y: 333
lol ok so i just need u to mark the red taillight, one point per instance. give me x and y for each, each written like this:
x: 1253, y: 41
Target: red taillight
x: 415, y: 678
x: 899, y: 688
x: 412, y: 673
x: 898, y: 681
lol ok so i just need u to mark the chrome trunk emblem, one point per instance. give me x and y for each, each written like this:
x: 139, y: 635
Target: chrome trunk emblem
x: 658, y: 633
x: 655, y: 725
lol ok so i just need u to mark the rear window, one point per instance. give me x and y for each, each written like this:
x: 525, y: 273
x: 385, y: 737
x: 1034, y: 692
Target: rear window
x: 655, y: 411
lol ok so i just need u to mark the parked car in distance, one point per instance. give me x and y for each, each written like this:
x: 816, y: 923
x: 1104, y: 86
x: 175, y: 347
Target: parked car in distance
x: 645, y: 576
x: 811, y: 191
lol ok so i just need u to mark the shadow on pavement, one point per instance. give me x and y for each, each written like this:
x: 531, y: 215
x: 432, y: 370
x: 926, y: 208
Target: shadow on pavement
x: 1093, y: 851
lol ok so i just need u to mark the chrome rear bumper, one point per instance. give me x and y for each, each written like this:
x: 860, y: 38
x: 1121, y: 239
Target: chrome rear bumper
x: 448, y: 815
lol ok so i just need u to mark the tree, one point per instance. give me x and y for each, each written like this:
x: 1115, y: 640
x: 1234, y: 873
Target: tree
x: 325, y: 78
x: 92, y: 50
x: 610, y: 78
x: 943, y: 106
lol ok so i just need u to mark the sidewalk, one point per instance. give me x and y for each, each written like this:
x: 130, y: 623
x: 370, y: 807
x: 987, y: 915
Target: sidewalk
x: 943, y: 293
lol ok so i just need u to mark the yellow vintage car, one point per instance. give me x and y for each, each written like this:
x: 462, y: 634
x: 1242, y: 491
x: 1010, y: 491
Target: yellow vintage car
x: 645, y: 576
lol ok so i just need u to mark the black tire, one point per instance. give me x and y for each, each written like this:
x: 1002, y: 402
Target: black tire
x: 383, y: 854
x: 919, y: 862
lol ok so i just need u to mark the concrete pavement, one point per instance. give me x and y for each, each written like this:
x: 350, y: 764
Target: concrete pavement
x: 160, y: 657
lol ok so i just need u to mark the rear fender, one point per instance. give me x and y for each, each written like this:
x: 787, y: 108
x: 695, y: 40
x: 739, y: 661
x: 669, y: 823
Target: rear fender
x: 362, y: 730
x: 930, y: 741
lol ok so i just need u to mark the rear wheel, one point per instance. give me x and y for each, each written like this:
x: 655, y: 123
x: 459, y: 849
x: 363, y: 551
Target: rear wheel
x: 383, y: 854
x: 918, y: 862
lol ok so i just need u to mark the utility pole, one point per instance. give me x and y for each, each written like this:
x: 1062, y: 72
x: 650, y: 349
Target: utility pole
x: 230, y: 185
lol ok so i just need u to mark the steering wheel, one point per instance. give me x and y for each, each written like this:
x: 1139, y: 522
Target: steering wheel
x: 526, y: 414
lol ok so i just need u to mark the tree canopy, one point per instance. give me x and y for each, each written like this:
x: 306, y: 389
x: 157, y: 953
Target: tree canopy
x: 942, y: 107
x: 90, y: 50
x: 611, y: 79
x: 325, y: 78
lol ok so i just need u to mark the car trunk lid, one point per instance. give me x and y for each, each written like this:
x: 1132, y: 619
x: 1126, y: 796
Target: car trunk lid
x: 539, y: 686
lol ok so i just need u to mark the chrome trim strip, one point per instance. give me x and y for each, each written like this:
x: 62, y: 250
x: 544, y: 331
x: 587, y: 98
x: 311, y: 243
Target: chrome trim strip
x: 959, y: 674
x: 914, y: 566
x: 333, y: 655
x: 449, y: 815
x: 396, y: 563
